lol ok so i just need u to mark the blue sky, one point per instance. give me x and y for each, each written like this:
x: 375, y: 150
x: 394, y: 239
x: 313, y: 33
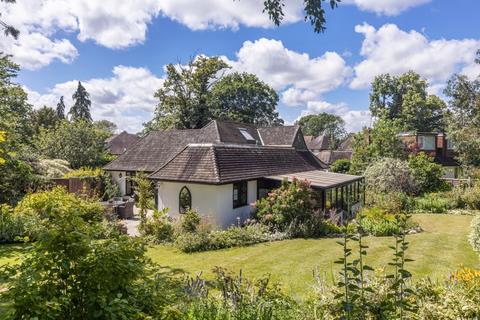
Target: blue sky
x: 119, y: 50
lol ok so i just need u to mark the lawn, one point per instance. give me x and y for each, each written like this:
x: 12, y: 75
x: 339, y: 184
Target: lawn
x: 437, y: 251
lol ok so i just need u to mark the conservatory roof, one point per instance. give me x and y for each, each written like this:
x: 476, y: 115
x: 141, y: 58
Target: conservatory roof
x: 319, y: 179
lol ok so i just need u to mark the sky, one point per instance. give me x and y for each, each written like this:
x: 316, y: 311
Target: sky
x: 118, y: 49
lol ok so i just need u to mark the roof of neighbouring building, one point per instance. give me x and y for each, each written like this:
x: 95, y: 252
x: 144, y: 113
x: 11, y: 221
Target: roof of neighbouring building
x: 158, y: 147
x: 330, y: 156
x: 347, y: 144
x: 119, y: 143
x: 319, y: 143
x: 222, y: 163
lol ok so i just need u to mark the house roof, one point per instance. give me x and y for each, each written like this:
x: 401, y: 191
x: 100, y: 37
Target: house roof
x: 278, y: 136
x: 221, y: 163
x: 319, y: 143
x: 319, y: 179
x: 330, y: 156
x: 347, y: 144
x: 119, y: 143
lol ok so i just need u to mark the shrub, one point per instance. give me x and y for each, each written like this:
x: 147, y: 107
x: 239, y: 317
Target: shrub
x: 390, y: 175
x: 378, y: 222
x: 190, y: 221
x: 474, y: 236
x: 314, y: 227
x: 158, y: 228
x: 340, y: 166
x: 426, y: 173
x: 16, y: 227
x: 392, y: 202
x: 433, y: 203
x: 471, y: 197
x: 291, y: 202
x: 53, y: 168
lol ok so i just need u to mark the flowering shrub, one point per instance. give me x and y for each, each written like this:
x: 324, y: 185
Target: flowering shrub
x: 390, y: 175
x: 474, y: 236
x: 291, y: 202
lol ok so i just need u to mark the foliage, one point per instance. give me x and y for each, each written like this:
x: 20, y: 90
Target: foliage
x: 101, y: 181
x: 323, y: 123
x: 143, y: 191
x: 105, y: 125
x: 315, y: 226
x: 9, y: 30
x: 426, y: 173
x: 378, y: 222
x: 381, y: 141
x: 53, y: 168
x: 190, y: 221
x: 16, y: 179
x: 158, y: 228
x: 340, y: 166
x: 405, y: 98
x: 292, y: 201
x: 474, y: 236
x: 45, y: 118
x: 471, y: 197
x: 81, y: 106
x: 314, y: 12
x: 81, y: 145
x: 433, y: 203
x: 2, y: 140
x: 16, y: 227
x: 390, y: 175
x: 84, y: 172
x: 60, y: 110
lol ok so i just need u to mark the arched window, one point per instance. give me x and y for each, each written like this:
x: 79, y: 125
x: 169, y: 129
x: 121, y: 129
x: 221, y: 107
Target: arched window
x: 185, y: 200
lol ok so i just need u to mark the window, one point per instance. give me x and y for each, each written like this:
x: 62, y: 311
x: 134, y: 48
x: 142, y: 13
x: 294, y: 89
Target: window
x: 185, y: 200
x: 246, y: 134
x: 426, y: 142
x: 240, y: 191
x: 449, y: 145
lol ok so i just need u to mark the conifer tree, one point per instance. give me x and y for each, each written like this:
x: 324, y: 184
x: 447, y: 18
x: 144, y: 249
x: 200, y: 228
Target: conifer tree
x: 81, y: 107
x: 60, y: 109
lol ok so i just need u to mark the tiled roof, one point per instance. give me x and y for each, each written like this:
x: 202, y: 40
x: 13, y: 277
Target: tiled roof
x: 278, y: 136
x: 219, y: 164
x: 346, y: 145
x: 319, y: 143
x: 330, y: 156
x: 320, y: 179
x: 119, y: 143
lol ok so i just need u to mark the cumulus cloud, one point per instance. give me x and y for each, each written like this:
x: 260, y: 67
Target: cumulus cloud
x: 355, y: 120
x: 386, y: 7
x: 126, y: 98
x: 392, y: 50
x: 282, y: 68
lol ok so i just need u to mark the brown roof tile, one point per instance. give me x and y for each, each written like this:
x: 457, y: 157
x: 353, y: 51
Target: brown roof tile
x: 119, y: 143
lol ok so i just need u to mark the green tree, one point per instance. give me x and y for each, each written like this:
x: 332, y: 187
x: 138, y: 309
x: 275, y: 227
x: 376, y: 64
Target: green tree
x: 81, y: 106
x: 81, y: 143
x: 9, y: 30
x: 313, y: 9
x: 144, y: 192
x: 185, y: 93
x: 45, y: 118
x: 60, y: 111
x: 323, y: 123
x: 340, y: 166
x: 242, y: 97
x: 381, y: 141
x: 106, y: 125
x: 426, y: 173
x: 405, y: 98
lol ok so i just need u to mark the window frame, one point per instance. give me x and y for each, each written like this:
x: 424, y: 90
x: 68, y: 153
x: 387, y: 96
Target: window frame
x: 421, y: 145
x: 242, y: 194
x: 181, y: 209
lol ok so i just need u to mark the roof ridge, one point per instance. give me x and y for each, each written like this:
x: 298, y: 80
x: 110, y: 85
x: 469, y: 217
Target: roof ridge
x: 169, y: 160
x: 215, y: 167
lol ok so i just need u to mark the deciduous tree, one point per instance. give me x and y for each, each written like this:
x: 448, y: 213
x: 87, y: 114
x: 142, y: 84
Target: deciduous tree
x: 323, y: 123
x: 45, y: 118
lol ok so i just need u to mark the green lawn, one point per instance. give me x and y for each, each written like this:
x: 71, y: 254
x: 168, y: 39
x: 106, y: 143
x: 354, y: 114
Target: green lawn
x: 437, y: 251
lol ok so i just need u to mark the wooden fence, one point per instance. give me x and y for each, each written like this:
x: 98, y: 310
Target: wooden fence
x: 79, y: 185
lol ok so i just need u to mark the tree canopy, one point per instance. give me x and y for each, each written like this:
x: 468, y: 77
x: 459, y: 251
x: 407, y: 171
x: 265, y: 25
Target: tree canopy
x: 44, y: 117
x: 405, y: 98
x: 60, y: 111
x: 81, y: 107
x: 8, y: 29
x: 196, y: 93
x: 323, y: 123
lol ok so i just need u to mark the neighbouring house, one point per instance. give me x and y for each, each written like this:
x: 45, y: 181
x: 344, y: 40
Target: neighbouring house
x: 221, y: 169
x: 119, y: 143
x: 322, y: 149
x: 437, y: 146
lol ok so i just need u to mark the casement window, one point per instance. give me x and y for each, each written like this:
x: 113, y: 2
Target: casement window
x: 185, y: 200
x: 240, y: 193
x: 426, y: 142
x: 449, y: 144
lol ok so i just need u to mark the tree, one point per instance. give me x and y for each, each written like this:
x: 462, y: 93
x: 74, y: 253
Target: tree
x: 9, y: 30
x: 143, y: 191
x: 381, y: 141
x: 340, y: 166
x: 81, y: 143
x: 106, y: 125
x: 242, y: 97
x: 2, y: 140
x: 60, y: 111
x: 81, y: 107
x: 314, y: 12
x: 45, y: 118
x: 405, y: 98
x: 389, y: 175
x: 323, y: 123
x: 426, y: 173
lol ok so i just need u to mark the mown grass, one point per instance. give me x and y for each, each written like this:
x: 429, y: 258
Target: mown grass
x: 440, y: 249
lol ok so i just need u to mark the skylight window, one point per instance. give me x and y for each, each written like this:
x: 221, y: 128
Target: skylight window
x: 246, y: 134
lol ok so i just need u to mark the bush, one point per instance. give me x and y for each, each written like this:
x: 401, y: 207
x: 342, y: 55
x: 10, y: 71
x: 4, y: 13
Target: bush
x: 16, y: 227
x: 315, y: 227
x: 426, y: 173
x: 340, y: 166
x: 433, y: 203
x: 471, y: 197
x: 190, y: 221
x: 158, y: 228
x: 378, y: 222
x: 389, y: 175
x: 474, y: 236
x: 393, y: 202
x: 291, y: 202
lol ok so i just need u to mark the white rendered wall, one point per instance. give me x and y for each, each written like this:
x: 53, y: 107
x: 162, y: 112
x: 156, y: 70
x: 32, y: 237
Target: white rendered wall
x: 119, y: 181
x: 212, y: 201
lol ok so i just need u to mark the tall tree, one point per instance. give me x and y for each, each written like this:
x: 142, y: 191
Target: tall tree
x: 313, y: 9
x: 185, y: 93
x: 44, y: 118
x: 323, y: 123
x: 242, y: 97
x: 105, y: 125
x: 405, y: 98
x: 60, y: 111
x: 9, y: 30
x: 81, y: 107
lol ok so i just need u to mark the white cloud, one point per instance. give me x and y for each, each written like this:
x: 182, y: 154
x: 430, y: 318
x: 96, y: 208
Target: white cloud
x: 293, y: 97
x: 394, y: 51
x: 282, y: 68
x: 355, y: 120
x: 126, y: 98
x: 386, y: 7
